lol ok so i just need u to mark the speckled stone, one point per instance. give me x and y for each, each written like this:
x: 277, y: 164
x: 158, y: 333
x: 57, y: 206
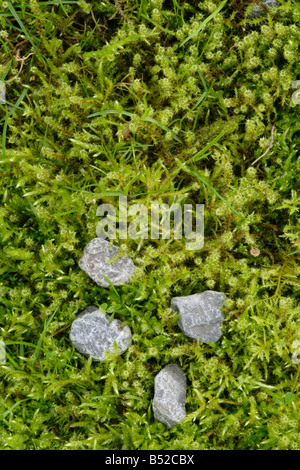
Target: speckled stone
x: 169, y: 395
x: 258, y: 11
x: 93, y: 335
x: 2, y: 352
x: 2, y: 92
x: 200, y: 315
x: 94, y: 262
x: 296, y: 94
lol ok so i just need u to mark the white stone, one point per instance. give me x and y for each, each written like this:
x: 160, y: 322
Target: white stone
x: 93, y: 335
x: 95, y: 262
x: 200, y: 315
x: 169, y: 395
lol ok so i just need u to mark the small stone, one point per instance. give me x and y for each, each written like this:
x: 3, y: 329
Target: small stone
x: 296, y: 94
x: 2, y: 352
x: 93, y: 335
x: 94, y: 262
x: 169, y: 395
x: 255, y: 251
x: 259, y: 11
x: 200, y: 315
x: 2, y: 92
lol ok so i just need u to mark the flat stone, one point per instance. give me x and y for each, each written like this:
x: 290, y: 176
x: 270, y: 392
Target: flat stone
x: 93, y: 335
x: 2, y: 92
x: 2, y: 352
x: 258, y: 11
x: 200, y: 315
x: 296, y: 94
x: 169, y: 395
x: 94, y: 262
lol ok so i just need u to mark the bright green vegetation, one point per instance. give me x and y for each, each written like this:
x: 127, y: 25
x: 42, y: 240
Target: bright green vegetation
x: 162, y: 102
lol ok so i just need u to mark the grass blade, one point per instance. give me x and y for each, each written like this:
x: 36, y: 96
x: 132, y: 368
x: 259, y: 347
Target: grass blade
x: 210, y: 17
x: 215, y: 192
x: 296, y: 4
x: 208, y: 146
x: 109, y: 111
x: 294, y: 253
x: 6, y: 413
x: 154, y: 121
x: 147, y: 118
x: 158, y: 25
x: 119, y: 193
x: 17, y: 18
x: 19, y: 100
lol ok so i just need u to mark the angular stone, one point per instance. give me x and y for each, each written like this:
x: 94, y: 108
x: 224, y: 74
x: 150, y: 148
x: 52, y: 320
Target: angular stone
x: 2, y: 352
x: 296, y: 94
x: 93, y: 335
x: 2, y: 92
x: 169, y: 395
x: 94, y: 262
x: 200, y: 315
x: 258, y: 11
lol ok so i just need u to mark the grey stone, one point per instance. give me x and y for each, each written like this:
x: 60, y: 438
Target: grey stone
x: 258, y: 11
x: 94, y: 262
x: 169, y: 395
x: 296, y: 94
x: 2, y: 352
x: 2, y: 92
x: 93, y: 335
x: 200, y: 315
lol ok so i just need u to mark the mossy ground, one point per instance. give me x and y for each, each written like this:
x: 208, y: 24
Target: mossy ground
x: 162, y: 101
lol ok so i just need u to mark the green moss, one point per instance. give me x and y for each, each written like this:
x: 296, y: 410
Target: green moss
x: 122, y: 99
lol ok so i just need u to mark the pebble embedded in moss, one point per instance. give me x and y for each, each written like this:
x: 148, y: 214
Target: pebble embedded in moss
x: 169, y: 395
x: 95, y: 262
x: 200, y: 315
x: 93, y: 335
x: 259, y: 11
